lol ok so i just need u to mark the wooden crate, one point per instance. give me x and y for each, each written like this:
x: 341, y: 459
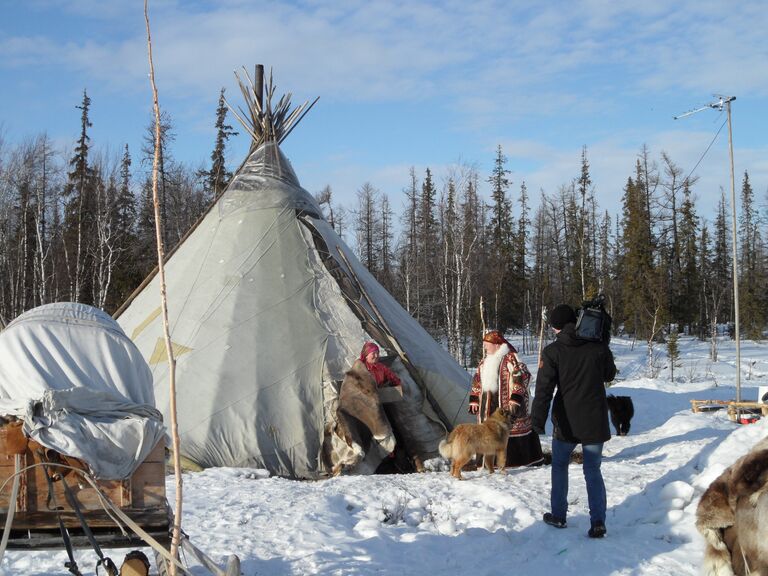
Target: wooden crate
x: 35, y: 521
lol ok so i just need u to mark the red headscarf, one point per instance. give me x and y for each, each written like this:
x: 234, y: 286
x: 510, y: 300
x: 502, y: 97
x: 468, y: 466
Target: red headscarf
x: 381, y: 374
x: 368, y: 347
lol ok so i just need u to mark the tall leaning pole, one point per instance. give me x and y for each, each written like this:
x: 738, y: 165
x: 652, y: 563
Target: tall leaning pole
x: 725, y: 102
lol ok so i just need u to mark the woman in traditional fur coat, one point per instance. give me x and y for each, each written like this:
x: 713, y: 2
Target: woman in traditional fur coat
x: 502, y: 381
x: 369, y: 359
x: 358, y: 397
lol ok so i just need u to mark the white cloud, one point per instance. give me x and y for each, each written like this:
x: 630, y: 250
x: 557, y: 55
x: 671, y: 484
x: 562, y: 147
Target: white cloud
x: 541, y: 79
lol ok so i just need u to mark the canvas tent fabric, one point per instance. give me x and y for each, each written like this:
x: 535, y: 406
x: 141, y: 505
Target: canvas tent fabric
x: 81, y: 387
x: 268, y: 308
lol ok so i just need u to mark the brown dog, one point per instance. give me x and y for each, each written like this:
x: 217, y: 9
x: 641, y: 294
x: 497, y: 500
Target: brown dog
x: 488, y: 439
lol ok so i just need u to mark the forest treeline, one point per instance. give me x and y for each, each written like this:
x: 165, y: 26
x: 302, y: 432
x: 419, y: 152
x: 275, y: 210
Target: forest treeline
x: 662, y: 267
x: 80, y: 227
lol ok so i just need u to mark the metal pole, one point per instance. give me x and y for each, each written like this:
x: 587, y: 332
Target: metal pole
x: 735, y: 264
x: 726, y: 101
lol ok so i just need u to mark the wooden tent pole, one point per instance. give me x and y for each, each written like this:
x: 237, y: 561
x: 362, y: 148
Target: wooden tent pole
x: 164, y: 306
x: 541, y: 330
x: 259, y: 85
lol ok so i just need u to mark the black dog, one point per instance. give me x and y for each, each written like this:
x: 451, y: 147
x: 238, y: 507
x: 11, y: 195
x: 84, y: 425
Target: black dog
x: 622, y: 410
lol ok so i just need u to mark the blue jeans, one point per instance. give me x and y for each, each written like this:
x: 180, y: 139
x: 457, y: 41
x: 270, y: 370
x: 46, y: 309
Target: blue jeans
x: 593, y: 457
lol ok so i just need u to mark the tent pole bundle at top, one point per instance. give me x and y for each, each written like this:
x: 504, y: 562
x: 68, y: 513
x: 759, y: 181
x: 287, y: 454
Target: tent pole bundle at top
x: 264, y: 123
x: 268, y: 308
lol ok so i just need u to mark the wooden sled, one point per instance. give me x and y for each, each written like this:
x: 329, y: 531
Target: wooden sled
x: 44, y: 495
x: 733, y: 407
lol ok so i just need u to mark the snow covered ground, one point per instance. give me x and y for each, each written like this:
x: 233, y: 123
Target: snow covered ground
x: 487, y: 524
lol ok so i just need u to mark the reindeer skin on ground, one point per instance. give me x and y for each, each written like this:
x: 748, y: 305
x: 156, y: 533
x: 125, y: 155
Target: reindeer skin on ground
x: 732, y: 516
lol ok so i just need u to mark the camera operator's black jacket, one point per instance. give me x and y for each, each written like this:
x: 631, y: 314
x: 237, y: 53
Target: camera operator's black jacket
x: 578, y: 369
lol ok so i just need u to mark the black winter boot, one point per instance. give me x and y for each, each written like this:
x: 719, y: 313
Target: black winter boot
x: 597, y: 530
x: 554, y: 521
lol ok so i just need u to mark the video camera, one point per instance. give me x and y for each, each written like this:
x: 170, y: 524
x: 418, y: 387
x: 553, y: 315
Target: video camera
x: 593, y: 322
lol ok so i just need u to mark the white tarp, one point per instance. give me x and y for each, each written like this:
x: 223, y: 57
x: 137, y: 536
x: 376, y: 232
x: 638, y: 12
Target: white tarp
x: 81, y: 387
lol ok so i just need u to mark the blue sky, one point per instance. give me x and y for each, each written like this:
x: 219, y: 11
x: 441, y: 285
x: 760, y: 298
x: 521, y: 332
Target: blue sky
x: 410, y: 83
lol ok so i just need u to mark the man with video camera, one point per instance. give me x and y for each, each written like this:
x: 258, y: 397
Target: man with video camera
x: 577, y: 368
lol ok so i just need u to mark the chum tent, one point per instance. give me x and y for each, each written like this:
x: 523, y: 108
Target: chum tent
x: 268, y: 308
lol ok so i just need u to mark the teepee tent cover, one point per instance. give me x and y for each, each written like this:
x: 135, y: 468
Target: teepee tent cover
x: 80, y: 386
x: 268, y: 308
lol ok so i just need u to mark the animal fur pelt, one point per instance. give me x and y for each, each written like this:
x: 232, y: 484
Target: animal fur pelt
x: 488, y: 438
x: 359, y: 398
x: 622, y: 409
x: 732, y: 516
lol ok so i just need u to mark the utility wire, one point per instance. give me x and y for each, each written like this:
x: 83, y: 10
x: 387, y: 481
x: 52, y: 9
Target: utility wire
x: 705, y: 151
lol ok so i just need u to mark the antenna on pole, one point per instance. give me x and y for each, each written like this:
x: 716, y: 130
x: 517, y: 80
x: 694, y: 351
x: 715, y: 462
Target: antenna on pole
x: 722, y: 101
x: 719, y: 104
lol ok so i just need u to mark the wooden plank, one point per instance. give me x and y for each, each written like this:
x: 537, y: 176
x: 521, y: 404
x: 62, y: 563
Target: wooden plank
x: 106, y: 539
x: 157, y: 454
x: 22, y: 503
x: 48, y: 520
x: 696, y: 404
x: 86, y: 496
x: 148, y: 485
x: 126, y: 499
x: 7, y: 470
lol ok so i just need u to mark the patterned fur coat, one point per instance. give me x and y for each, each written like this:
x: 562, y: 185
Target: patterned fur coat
x: 502, y: 380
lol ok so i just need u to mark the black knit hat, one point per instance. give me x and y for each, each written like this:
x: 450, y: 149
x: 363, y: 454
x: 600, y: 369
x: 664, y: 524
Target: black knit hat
x: 562, y: 315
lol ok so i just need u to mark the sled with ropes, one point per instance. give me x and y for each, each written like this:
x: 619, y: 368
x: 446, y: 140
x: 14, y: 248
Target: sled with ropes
x: 82, y: 446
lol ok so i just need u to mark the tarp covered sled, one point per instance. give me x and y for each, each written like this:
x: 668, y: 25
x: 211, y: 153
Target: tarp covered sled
x: 78, y: 424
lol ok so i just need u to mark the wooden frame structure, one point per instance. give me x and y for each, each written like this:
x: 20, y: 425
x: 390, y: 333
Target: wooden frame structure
x: 40, y: 504
x: 732, y: 406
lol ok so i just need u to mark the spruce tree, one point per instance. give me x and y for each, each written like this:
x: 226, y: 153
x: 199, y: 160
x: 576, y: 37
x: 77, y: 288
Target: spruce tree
x: 499, y: 247
x: 638, y: 273
x: 583, y: 226
x: 673, y: 352
x: 218, y: 177
x: 126, y: 274
x: 427, y: 235
x: 472, y: 232
x: 751, y: 280
x: 500, y: 208
x: 520, y: 283
x: 721, y: 283
x: 79, y: 212
x: 689, y: 280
